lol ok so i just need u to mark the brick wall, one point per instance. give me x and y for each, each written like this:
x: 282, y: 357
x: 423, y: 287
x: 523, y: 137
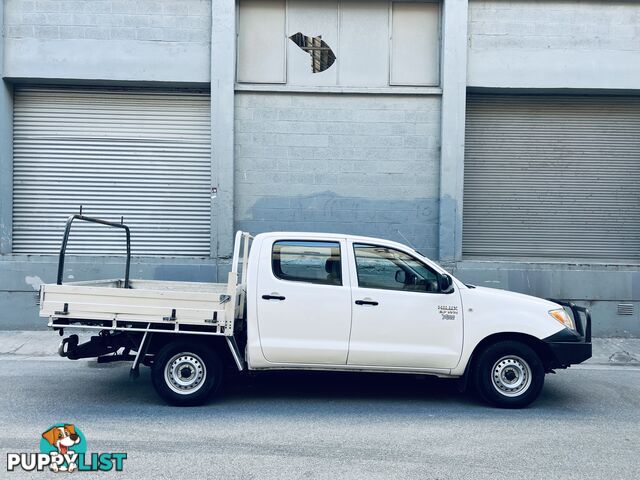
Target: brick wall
x: 145, y: 20
x: 357, y: 164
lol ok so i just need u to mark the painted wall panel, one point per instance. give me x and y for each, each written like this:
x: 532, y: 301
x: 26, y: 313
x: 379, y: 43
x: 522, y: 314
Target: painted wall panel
x: 554, y: 44
x: 311, y: 18
x: 261, y: 41
x: 364, y: 43
x: 162, y: 40
x: 415, y: 43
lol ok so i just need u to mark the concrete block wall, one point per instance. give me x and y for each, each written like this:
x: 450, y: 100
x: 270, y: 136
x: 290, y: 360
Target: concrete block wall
x: 601, y: 288
x: 360, y: 164
x: 554, y: 44
x: 146, y: 40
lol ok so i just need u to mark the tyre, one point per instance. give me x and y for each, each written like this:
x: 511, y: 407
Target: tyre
x: 508, y: 374
x: 186, y: 374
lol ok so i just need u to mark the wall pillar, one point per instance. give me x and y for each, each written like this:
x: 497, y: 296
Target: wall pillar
x: 454, y: 84
x: 6, y: 153
x: 223, y: 60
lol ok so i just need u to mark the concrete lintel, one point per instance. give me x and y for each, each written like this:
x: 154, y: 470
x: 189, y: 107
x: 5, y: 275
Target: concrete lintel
x: 454, y: 80
x: 107, y: 60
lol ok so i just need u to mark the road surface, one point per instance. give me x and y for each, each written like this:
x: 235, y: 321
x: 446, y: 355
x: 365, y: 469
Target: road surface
x: 586, y: 425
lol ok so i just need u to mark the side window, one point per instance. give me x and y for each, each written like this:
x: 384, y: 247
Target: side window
x: 389, y: 269
x: 307, y: 261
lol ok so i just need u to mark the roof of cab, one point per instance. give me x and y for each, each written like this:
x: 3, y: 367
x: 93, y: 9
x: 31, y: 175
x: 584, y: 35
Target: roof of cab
x: 332, y: 236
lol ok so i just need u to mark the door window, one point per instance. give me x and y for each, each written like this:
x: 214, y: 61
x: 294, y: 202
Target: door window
x: 390, y: 269
x: 307, y: 261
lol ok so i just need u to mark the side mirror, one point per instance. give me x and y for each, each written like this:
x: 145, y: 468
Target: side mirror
x: 401, y: 277
x: 445, y: 282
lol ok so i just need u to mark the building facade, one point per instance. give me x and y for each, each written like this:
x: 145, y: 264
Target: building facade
x: 501, y: 138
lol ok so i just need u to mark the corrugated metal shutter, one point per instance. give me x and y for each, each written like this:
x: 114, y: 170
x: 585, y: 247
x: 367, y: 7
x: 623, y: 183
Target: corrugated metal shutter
x: 142, y: 154
x: 552, y: 177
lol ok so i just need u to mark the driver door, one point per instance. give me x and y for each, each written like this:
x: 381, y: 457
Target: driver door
x: 400, y: 318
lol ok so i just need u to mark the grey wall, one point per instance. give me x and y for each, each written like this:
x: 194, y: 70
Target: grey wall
x: 366, y: 162
x: 359, y: 164
x: 599, y: 287
x: 21, y: 276
x: 546, y: 45
x: 165, y: 42
x: 142, y: 40
x: 554, y: 44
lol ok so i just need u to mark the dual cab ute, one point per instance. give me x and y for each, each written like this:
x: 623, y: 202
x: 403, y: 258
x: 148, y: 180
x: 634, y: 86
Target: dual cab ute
x: 314, y: 301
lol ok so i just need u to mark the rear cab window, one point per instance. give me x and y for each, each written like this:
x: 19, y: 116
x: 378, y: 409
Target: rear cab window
x: 308, y: 261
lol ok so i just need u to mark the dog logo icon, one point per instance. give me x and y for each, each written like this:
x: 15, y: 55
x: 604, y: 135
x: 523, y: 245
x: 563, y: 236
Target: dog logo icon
x: 65, y: 439
x: 63, y: 448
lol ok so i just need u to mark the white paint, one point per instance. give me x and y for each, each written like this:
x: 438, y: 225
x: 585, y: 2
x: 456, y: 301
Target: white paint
x: 405, y: 329
x: 388, y: 342
x: 312, y: 327
x: 34, y: 282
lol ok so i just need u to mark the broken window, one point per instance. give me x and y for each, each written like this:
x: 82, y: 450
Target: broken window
x: 322, y: 57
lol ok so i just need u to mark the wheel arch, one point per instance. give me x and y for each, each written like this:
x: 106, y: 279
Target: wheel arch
x: 216, y: 343
x: 538, y: 346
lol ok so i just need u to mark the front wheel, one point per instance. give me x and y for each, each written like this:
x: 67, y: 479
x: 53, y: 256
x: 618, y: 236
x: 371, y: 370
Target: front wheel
x: 509, y: 374
x: 186, y: 374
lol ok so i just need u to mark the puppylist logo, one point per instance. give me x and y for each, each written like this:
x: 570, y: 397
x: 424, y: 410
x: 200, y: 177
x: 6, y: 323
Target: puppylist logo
x: 63, y: 448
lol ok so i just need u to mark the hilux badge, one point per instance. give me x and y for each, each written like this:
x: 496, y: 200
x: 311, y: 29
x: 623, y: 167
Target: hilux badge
x: 448, y: 312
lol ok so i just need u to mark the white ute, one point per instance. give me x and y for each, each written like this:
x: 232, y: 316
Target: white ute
x: 316, y: 301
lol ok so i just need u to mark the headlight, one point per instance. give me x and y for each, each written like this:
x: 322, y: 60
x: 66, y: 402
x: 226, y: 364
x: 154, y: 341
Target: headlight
x: 563, y: 317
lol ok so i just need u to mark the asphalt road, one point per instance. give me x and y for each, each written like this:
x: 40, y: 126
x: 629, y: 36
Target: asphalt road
x: 586, y: 425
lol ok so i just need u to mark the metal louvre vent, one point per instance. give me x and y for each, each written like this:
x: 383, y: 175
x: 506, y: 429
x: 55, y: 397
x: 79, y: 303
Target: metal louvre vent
x: 552, y: 177
x: 143, y: 154
x: 625, y: 309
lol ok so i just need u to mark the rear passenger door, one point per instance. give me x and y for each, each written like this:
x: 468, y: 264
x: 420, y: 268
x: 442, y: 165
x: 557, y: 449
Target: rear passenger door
x: 304, y: 301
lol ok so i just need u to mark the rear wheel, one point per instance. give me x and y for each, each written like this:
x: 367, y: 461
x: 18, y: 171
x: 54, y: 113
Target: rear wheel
x: 186, y: 374
x: 509, y: 374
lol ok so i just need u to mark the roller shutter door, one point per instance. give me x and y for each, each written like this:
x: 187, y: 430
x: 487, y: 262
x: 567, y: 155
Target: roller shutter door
x: 141, y: 154
x: 552, y: 177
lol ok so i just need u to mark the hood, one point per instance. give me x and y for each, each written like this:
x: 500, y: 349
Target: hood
x: 506, y: 295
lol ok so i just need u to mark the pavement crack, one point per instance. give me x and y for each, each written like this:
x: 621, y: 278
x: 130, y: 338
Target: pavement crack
x: 15, y: 350
x: 622, y: 356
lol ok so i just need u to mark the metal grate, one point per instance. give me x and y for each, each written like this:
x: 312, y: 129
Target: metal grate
x: 625, y: 309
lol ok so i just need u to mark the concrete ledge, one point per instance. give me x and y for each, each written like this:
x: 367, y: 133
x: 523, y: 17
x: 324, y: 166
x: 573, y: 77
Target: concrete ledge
x: 606, y: 351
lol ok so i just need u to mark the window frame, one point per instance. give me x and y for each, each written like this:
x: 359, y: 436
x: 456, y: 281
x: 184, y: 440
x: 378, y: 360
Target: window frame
x: 306, y: 240
x: 424, y: 264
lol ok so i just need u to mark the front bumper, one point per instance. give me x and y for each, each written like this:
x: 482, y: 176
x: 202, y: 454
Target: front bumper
x: 569, y: 347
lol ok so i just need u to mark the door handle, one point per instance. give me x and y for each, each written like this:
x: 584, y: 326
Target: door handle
x: 272, y: 297
x: 366, y: 302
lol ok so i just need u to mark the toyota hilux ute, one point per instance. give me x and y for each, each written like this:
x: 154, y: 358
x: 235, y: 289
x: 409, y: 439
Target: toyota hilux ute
x: 316, y: 301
